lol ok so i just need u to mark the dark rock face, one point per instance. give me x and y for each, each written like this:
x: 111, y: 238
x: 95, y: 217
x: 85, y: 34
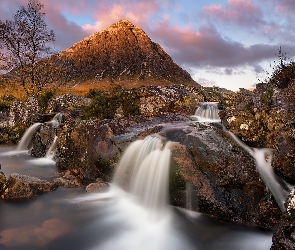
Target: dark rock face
x: 122, y: 52
x: 225, y: 182
x: 18, y: 187
x: 284, y: 236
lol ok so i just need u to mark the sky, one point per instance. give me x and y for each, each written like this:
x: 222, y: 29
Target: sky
x: 226, y: 43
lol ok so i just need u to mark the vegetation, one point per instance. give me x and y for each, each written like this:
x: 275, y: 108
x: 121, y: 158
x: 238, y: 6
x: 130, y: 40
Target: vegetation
x: 283, y: 71
x: 24, y: 43
x: 108, y: 104
x: 43, y: 100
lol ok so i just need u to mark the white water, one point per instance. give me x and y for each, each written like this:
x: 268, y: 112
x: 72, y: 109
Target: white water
x: 134, y: 155
x: 151, y: 182
x: 263, y: 160
x: 207, y: 112
x: 25, y: 140
x: 56, y: 120
x: 51, y: 151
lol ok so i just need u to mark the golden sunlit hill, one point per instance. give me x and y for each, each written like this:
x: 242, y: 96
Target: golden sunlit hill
x: 121, y: 54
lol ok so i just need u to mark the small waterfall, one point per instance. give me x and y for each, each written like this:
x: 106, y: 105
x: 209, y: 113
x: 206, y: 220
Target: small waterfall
x: 151, y: 182
x: 263, y: 159
x: 275, y: 184
x: 56, y: 120
x: 25, y: 140
x: 51, y: 151
x: 132, y: 158
x: 144, y: 172
x: 207, y: 112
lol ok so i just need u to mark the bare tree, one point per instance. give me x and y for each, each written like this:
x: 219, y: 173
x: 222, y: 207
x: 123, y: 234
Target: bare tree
x: 24, y: 42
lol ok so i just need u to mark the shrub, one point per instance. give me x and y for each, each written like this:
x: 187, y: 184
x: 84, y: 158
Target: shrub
x: 104, y: 104
x: 44, y: 99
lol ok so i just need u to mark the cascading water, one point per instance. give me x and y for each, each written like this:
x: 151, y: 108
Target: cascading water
x: 51, y: 151
x: 207, y: 112
x: 56, y: 120
x: 25, y: 140
x: 263, y: 159
x: 133, y: 157
x: 151, y: 182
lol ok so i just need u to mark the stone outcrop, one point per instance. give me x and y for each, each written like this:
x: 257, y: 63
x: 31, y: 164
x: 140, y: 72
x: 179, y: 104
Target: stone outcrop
x: 120, y: 53
x: 19, y: 187
x: 23, y: 112
x: 265, y: 118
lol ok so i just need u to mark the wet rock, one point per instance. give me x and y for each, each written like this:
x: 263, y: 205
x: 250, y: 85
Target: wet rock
x: 284, y: 235
x: 18, y: 187
x: 223, y: 175
x: 97, y: 187
x: 2, y: 181
x: 70, y: 179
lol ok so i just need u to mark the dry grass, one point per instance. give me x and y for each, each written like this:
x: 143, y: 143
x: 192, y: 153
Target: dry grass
x: 16, y: 90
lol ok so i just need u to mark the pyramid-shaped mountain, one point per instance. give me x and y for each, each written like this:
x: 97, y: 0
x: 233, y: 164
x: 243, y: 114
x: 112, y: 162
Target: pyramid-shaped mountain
x: 121, y: 53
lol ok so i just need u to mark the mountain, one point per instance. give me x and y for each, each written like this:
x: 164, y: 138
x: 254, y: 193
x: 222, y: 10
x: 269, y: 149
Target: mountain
x: 122, y: 54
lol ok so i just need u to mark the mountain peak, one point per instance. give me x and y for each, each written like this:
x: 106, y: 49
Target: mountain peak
x: 125, y: 22
x: 122, y: 52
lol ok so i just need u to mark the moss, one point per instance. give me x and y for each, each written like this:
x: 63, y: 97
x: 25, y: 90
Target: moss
x: 12, y: 134
x: 44, y: 99
x: 104, y: 104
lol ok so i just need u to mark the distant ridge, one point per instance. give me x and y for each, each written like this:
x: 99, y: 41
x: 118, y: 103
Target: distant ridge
x: 118, y: 54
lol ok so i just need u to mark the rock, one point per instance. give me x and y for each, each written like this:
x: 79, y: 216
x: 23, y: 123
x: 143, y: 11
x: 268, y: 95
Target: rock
x: 2, y: 182
x: 284, y: 234
x: 67, y: 102
x: 224, y: 177
x: 23, y: 112
x: 265, y: 118
x: 19, y: 187
x: 70, y: 179
x: 97, y: 187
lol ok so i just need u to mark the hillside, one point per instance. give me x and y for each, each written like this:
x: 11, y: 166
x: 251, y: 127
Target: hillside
x: 121, y: 54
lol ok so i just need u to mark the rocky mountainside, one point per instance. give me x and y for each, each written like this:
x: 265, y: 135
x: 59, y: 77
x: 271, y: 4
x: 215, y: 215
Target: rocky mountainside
x: 121, y: 53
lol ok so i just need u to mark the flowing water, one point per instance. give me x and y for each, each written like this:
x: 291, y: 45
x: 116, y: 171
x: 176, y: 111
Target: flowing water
x: 207, y: 112
x: 134, y: 214
x: 25, y: 140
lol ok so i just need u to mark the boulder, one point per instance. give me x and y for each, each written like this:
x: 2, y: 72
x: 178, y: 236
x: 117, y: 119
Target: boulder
x: 18, y: 187
x: 223, y: 176
x: 23, y: 112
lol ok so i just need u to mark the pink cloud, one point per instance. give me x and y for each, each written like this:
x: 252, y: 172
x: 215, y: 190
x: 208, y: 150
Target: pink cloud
x: 238, y: 12
x: 108, y: 13
x: 206, y: 47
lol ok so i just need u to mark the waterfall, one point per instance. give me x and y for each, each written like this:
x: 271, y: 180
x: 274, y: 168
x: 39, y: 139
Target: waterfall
x: 56, y: 120
x: 132, y: 158
x: 263, y: 159
x: 51, y: 150
x: 25, y: 140
x: 151, y: 182
x: 207, y: 112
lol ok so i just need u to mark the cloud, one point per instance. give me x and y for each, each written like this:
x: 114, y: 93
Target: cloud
x: 205, y: 82
x: 284, y: 7
x: 108, y: 13
x: 206, y: 47
x: 238, y: 12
